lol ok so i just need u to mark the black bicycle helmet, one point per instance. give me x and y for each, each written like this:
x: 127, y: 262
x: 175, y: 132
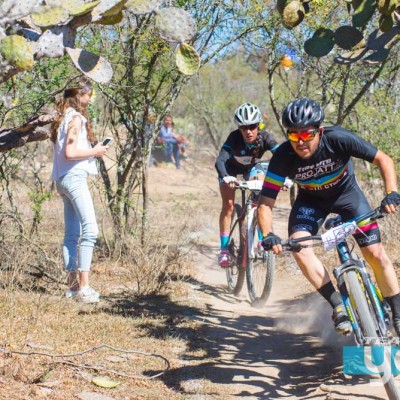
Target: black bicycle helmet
x: 247, y: 114
x: 301, y: 113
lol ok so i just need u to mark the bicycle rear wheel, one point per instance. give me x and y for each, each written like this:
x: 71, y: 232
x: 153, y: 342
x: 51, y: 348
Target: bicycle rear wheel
x: 369, y: 326
x: 260, y: 268
x: 235, y: 272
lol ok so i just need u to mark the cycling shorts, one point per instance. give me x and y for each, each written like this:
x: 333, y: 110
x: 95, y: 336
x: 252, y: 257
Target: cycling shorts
x: 259, y: 168
x: 309, y: 212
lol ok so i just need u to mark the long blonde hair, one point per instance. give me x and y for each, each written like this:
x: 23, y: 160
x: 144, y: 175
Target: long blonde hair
x: 71, y: 100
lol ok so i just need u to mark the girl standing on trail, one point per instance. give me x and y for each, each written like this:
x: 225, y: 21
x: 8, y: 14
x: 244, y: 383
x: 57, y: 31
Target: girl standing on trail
x: 74, y: 161
x: 240, y: 154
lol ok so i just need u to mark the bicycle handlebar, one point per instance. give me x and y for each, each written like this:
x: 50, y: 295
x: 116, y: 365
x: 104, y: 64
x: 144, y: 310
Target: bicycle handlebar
x: 253, y: 185
x: 337, y: 232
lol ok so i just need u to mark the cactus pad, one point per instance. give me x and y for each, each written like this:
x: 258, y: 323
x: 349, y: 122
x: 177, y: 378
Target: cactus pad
x: 187, y: 59
x: 318, y: 46
x: 281, y: 4
x: 385, y: 23
x: 293, y: 14
x: 111, y: 20
x: 347, y: 37
x: 350, y: 57
x: 175, y: 25
x: 29, y: 34
x: 377, y: 40
x: 363, y: 13
x: 386, y: 7
x: 46, y: 16
x: 376, y: 57
x: 17, y: 9
x: 17, y: 51
x: 106, y: 8
x: 92, y: 65
x: 324, y: 33
x: 142, y: 6
x: 78, y: 7
x: 53, y: 42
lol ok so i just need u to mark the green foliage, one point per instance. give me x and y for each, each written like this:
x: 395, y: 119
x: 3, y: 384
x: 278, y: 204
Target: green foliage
x: 362, y: 13
x: 38, y: 198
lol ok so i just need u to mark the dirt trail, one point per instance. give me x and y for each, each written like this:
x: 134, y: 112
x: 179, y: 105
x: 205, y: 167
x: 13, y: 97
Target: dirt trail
x: 288, y: 349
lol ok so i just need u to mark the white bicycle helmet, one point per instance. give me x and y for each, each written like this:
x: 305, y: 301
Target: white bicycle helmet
x: 247, y: 114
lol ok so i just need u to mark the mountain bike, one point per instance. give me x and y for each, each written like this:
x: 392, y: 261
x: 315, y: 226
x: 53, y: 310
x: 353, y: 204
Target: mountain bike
x: 364, y: 304
x: 247, y: 258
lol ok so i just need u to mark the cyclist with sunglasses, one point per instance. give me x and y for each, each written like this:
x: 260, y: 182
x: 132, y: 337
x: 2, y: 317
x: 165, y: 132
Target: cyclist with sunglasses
x: 318, y: 159
x: 240, y: 155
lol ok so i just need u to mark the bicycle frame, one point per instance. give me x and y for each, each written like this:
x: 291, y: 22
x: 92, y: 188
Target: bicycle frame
x: 249, y: 207
x: 349, y: 262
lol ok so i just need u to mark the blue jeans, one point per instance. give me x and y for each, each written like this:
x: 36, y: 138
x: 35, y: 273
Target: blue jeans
x: 172, y: 149
x: 80, y: 220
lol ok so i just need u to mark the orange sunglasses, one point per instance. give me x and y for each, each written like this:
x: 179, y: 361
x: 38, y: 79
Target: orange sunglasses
x: 304, y: 136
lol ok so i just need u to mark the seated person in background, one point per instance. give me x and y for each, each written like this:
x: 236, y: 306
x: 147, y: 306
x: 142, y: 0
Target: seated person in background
x: 170, y: 140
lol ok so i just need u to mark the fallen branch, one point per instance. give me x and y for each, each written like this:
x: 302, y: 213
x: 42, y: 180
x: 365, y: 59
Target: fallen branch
x: 8, y: 352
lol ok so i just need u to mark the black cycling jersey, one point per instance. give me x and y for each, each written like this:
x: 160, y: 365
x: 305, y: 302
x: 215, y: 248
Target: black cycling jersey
x: 327, y: 172
x: 326, y: 181
x: 238, y: 157
x: 308, y: 211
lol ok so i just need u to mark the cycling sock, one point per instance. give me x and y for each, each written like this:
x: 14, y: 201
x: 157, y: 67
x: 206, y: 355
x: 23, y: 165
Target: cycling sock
x: 260, y: 235
x: 329, y: 293
x: 224, y: 239
x: 394, y: 303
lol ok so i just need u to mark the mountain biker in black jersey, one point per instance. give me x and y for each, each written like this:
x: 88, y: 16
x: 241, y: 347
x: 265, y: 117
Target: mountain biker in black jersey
x: 318, y: 159
x: 240, y: 154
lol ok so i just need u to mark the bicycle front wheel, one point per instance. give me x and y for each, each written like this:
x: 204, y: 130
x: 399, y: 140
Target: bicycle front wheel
x: 260, y: 268
x: 235, y: 272
x: 366, y: 320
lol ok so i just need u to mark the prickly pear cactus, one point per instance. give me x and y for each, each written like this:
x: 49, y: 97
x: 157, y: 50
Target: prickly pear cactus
x: 347, y: 37
x: 111, y: 20
x: 142, y: 6
x: 175, y: 25
x: 187, y: 59
x: 386, y: 7
x: 107, y: 8
x: 293, y: 14
x: 385, y: 23
x: 17, y: 51
x: 92, y: 65
x: 320, y: 44
x: 363, y: 13
x: 376, y: 57
x: 54, y: 41
x: 350, y: 57
x: 46, y: 16
x: 77, y: 9
x: 16, y: 9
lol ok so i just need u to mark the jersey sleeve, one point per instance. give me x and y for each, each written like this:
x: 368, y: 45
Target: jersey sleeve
x: 230, y: 142
x: 220, y: 166
x: 278, y: 170
x: 269, y: 142
x: 346, y: 142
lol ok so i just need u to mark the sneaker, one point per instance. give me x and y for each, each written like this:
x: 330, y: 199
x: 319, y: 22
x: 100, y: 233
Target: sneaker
x: 223, y: 258
x: 341, y: 320
x: 88, y: 295
x: 71, y: 294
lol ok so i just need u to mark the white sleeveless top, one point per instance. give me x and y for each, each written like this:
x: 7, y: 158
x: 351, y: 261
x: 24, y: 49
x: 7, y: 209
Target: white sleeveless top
x: 60, y: 164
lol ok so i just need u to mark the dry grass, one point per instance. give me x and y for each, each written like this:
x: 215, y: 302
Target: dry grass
x: 147, y: 305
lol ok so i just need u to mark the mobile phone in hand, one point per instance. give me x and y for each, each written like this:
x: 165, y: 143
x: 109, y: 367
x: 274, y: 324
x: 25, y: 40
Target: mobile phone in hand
x: 106, y: 141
